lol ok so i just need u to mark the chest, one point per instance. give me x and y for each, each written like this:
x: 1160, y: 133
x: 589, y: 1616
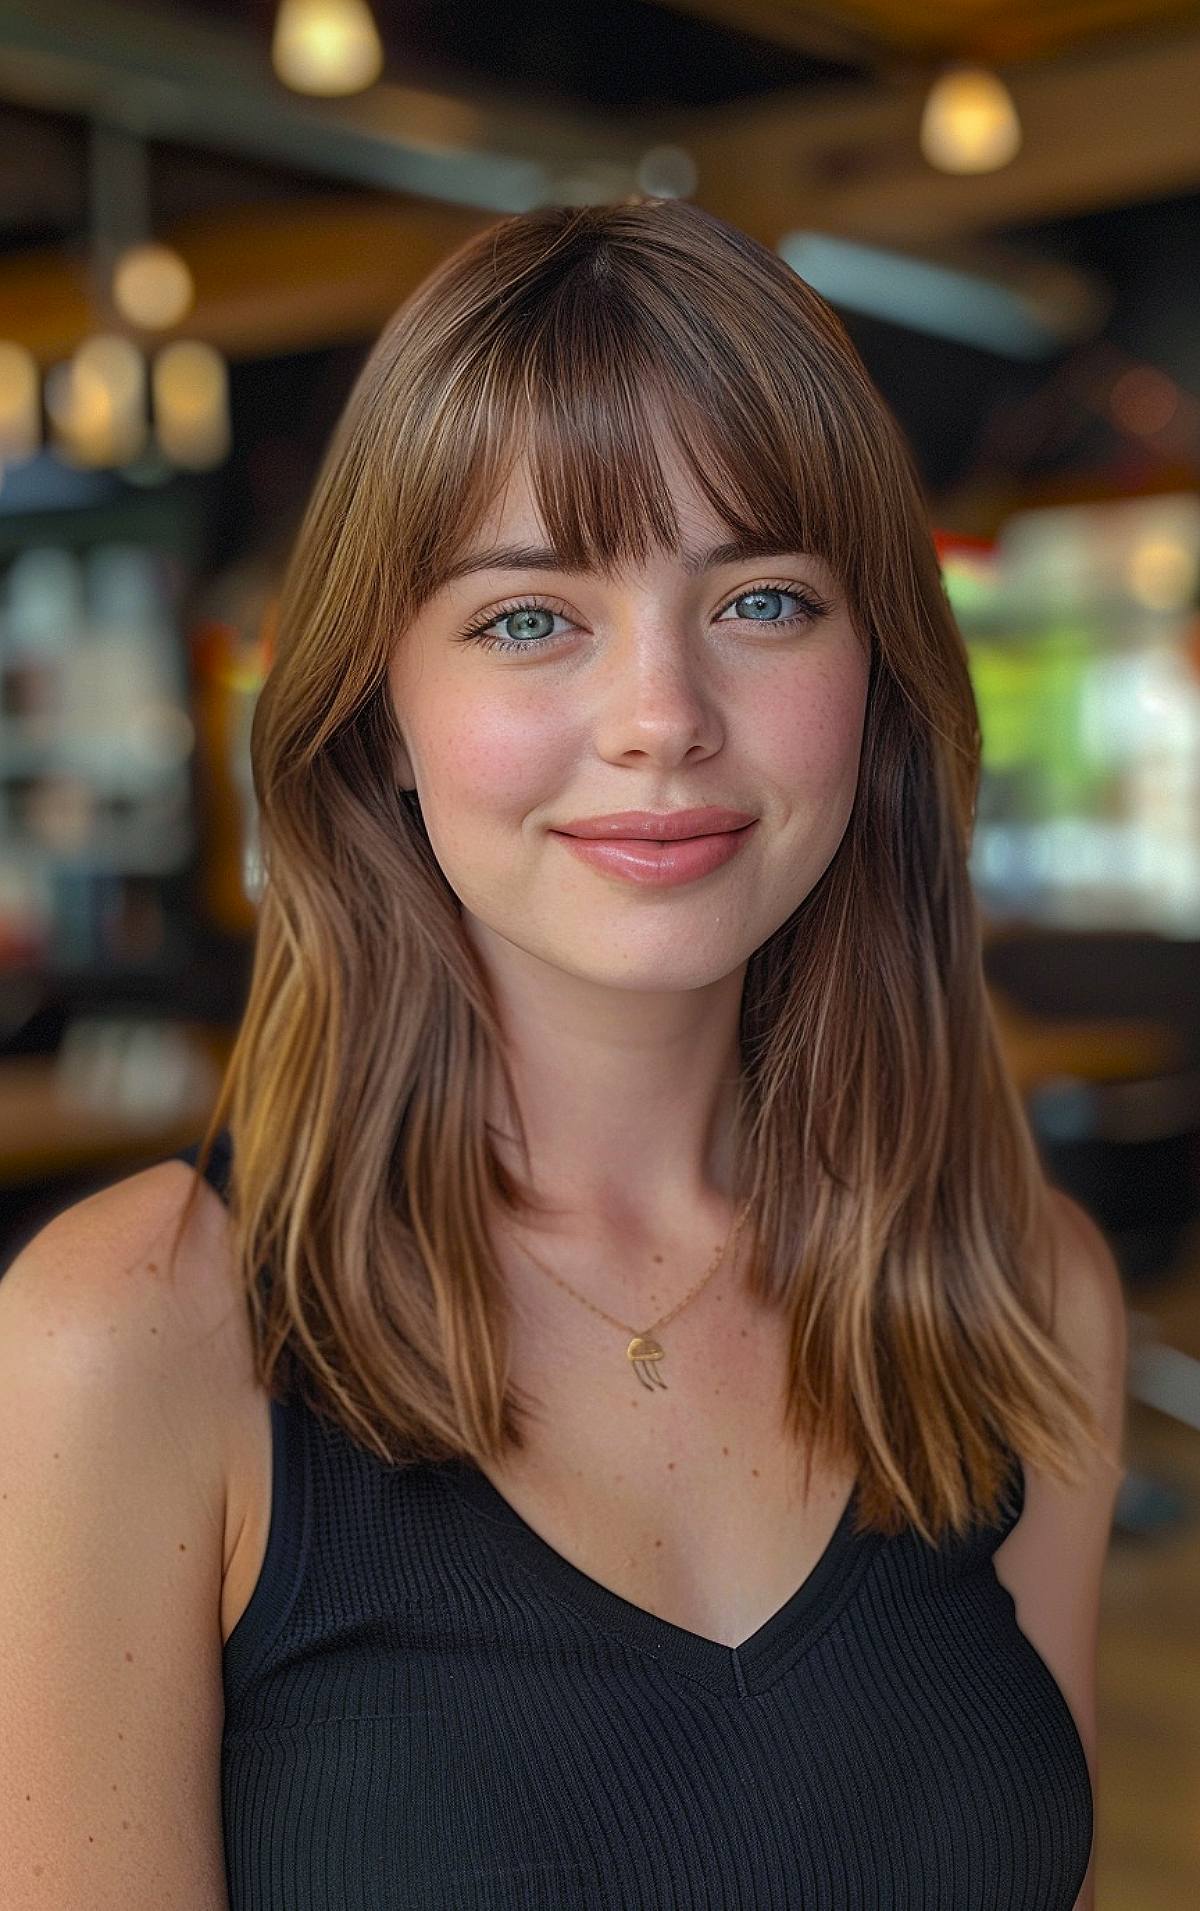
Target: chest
x: 518, y: 1738
x: 686, y: 1500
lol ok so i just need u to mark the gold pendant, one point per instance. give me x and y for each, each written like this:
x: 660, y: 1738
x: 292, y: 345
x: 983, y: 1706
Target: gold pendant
x: 643, y: 1352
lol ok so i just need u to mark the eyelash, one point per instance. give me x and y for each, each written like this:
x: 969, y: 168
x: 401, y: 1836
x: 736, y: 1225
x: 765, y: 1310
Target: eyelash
x: 814, y: 607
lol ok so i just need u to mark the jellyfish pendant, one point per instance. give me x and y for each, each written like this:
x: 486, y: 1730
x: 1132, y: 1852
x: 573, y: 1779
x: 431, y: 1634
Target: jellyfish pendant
x: 643, y: 1352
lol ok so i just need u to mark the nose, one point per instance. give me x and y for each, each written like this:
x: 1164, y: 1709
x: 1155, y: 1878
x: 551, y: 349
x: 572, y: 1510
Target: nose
x: 654, y: 699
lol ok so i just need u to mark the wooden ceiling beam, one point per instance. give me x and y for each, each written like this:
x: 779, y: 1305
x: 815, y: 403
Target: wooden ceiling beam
x: 285, y: 277
x: 1102, y: 129
x: 887, y: 33
x: 1114, y: 126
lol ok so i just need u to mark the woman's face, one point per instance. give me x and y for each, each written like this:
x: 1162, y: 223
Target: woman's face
x: 661, y: 689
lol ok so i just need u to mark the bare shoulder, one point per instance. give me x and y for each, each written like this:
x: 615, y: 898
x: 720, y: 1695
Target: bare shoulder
x: 116, y: 1373
x: 108, y: 1267
x: 101, y: 1286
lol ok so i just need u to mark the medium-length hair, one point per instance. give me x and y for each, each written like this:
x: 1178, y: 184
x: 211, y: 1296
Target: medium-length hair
x: 899, y: 1213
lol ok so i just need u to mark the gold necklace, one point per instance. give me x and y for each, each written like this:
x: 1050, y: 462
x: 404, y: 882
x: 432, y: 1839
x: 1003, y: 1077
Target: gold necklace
x: 644, y: 1351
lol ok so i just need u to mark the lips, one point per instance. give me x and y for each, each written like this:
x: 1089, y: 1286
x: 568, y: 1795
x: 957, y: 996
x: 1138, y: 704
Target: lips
x: 647, y: 862
x: 659, y: 842
x: 661, y: 827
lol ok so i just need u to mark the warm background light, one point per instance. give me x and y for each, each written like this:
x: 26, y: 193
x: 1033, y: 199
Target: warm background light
x: 969, y: 124
x: 1161, y: 572
x: 326, y: 46
x: 20, y: 402
x: 190, y: 385
x: 96, y: 402
x: 152, y: 287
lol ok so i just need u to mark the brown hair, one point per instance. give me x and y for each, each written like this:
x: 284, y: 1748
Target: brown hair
x: 899, y: 1211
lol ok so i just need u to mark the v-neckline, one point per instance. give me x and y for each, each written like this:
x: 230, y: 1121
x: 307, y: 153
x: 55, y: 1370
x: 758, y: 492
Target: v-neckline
x: 736, y: 1669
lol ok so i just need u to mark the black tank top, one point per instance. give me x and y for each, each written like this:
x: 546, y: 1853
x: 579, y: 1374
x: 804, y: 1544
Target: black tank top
x: 428, y: 1708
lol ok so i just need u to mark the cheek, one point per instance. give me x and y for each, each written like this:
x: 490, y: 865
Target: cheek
x: 810, y: 740
x: 498, y: 761
x: 487, y: 763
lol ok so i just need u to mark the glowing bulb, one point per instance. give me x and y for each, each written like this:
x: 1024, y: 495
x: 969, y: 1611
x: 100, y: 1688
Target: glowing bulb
x: 969, y: 123
x: 152, y: 287
x: 107, y: 360
x: 326, y: 46
x: 1161, y: 573
x: 96, y: 402
x: 20, y: 402
x: 191, y: 404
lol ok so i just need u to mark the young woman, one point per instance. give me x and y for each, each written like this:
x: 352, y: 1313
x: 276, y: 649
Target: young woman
x: 621, y: 1419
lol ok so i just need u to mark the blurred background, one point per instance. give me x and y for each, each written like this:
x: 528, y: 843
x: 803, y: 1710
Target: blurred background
x: 208, y: 210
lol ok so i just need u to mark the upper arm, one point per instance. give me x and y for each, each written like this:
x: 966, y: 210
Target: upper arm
x: 1053, y: 1560
x: 111, y: 1553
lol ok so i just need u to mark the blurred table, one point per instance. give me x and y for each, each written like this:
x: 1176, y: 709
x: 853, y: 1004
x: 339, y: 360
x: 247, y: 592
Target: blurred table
x: 1038, y: 1049
x: 116, y: 1089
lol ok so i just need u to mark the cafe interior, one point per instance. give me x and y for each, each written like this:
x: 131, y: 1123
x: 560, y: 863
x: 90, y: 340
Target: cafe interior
x: 209, y: 210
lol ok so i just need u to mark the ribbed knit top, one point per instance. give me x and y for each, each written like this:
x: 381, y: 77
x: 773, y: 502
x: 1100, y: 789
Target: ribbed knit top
x: 428, y: 1708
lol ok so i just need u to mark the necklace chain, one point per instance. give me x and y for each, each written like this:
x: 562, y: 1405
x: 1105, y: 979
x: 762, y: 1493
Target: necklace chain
x: 643, y: 1350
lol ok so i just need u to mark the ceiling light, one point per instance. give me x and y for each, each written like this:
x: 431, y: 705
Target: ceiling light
x: 152, y: 287
x: 20, y: 402
x: 326, y: 46
x: 969, y: 123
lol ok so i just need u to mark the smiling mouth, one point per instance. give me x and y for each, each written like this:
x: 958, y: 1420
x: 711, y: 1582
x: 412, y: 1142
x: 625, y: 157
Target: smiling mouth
x: 664, y: 842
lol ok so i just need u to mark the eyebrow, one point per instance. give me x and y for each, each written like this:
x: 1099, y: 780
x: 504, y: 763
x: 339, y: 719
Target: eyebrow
x: 540, y: 557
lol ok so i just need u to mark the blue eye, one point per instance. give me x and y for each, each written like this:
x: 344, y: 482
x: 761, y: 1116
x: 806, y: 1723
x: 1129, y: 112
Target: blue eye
x: 532, y: 641
x: 812, y: 608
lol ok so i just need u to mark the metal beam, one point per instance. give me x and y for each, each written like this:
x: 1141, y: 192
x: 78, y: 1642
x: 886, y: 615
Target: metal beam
x: 1115, y: 123
x: 842, y: 160
x: 166, y: 76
